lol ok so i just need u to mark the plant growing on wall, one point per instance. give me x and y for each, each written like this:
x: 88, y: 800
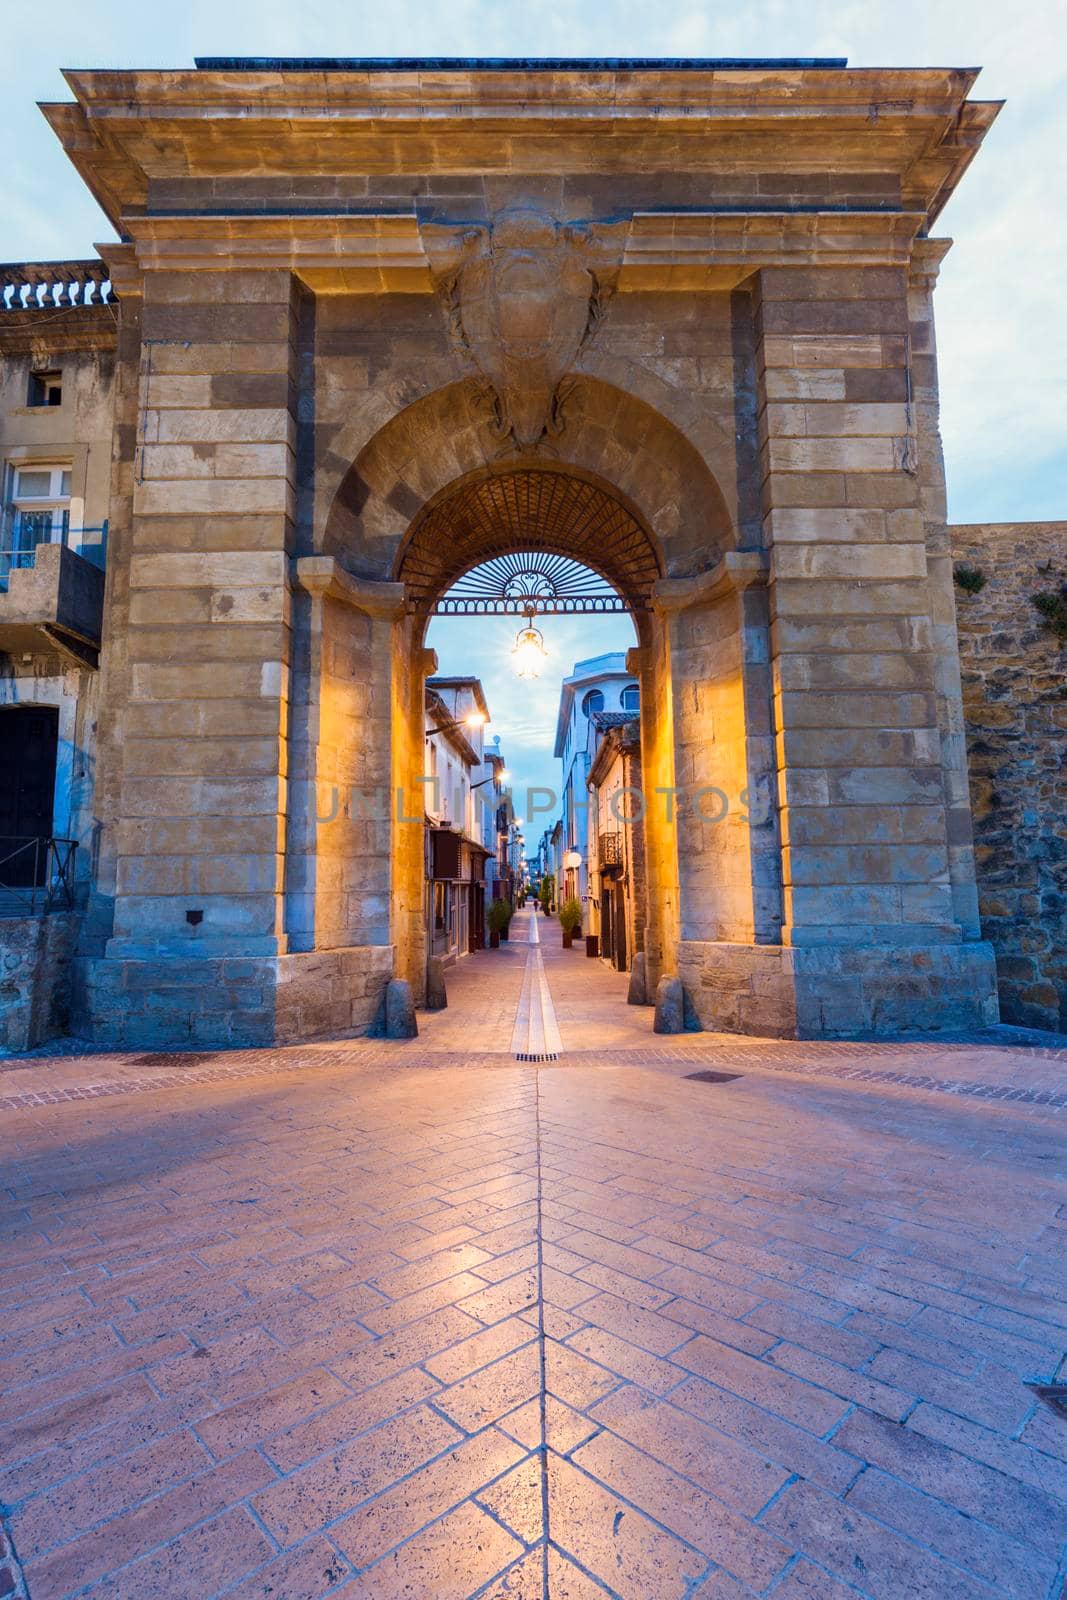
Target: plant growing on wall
x: 1052, y: 604
x: 970, y: 579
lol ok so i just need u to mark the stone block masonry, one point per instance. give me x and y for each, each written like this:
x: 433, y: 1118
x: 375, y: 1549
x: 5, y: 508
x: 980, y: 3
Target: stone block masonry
x: 315, y: 373
x: 35, y: 954
x: 1015, y: 709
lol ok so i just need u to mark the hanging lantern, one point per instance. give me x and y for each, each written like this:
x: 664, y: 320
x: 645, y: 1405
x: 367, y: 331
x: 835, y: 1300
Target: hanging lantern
x: 528, y: 653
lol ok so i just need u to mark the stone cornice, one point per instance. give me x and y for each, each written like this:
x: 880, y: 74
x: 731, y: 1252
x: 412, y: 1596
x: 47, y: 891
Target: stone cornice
x: 609, y: 93
x: 130, y: 127
x: 379, y: 253
x: 342, y: 254
x: 324, y: 578
x: 702, y: 250
x: 738, y: 570
x: 926, y: 259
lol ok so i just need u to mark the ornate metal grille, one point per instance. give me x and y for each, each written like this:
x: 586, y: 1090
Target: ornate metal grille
x: 534, y: 581
x: 609, y: 850
x: 514, y: 513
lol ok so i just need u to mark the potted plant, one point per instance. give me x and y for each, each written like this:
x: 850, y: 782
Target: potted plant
x: 570, y: 920
x: 546, y: 893
x: 497, y: 916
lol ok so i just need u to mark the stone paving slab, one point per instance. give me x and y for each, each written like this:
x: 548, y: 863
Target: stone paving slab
x: 409, y: 1324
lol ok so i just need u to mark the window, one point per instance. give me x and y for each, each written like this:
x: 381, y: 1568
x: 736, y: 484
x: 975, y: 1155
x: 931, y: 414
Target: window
x: 37, y: 512
x: 46, y: 389
x: 631, y: 697
x: 594, y: 701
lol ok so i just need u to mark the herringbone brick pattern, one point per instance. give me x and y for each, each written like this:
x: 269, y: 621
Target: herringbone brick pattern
x: 517, y: 1332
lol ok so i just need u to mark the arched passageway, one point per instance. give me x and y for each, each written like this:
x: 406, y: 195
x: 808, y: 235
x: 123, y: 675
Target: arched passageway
x: 502, y: 512
x: 508, y: 509
x: 427, y: 498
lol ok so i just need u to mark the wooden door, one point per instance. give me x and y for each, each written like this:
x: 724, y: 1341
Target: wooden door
x: 29, y: 740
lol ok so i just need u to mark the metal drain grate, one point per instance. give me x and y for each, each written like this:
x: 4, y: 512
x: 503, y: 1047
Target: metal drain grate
x: 712, y: 1077
x: 1054, y: 1395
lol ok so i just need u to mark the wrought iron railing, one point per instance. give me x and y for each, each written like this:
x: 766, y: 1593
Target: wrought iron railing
x: 21, y: 538
x: 36, y: 874
x: 53, y: 285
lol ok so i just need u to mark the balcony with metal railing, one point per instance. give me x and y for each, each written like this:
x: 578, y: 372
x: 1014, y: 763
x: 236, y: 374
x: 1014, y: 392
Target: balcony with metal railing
x: 51, y: 586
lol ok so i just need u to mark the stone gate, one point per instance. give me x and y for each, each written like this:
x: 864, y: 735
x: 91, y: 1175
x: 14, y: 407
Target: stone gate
x: 378, y: 320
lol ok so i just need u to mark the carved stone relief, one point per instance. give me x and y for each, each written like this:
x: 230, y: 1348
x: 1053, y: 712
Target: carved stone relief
x: 523, y: 296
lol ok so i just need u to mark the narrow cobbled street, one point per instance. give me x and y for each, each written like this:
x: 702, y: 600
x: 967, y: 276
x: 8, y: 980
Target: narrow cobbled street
x: 639, y: 1317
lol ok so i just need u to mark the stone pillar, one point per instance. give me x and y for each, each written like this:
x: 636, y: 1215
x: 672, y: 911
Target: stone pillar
x: 337, y: 879
x: 114, y: 665
x: 871, y: 922
x: 650, y: 664
x: 198, y: 948
x: 728, y: 857
x: 926, y: 261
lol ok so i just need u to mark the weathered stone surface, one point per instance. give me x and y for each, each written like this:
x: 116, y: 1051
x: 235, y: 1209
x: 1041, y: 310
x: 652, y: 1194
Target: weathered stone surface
x: 637, y: 991
x: 840, y: 989
x: 35, y: 977
x: 670, y: 1006
x: 1015, y: 714
x: 400, y: 1021
x: 174, y: 999
x: 436, y: 991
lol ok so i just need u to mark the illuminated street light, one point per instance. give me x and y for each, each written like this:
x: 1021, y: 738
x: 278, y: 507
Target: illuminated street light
x: 473, y: 719
x: 528, y: 653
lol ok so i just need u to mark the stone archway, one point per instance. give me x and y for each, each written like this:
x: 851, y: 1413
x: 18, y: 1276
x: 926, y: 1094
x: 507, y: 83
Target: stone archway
x: 537, y: 506
x: 428, y: 497
x: 504, y: 509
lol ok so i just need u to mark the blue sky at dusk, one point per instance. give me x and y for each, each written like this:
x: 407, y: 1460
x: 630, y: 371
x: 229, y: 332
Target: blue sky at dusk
x: 1002, y: 328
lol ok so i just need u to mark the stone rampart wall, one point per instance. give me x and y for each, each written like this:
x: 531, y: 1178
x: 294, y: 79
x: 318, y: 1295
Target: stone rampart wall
x: 1015, y: 707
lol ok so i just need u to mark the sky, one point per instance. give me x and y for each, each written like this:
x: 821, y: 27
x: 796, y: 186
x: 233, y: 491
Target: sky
x: 1000, y: 303
x: 523, y: 712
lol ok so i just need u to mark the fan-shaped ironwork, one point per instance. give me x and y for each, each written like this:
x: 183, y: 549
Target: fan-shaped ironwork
x: 524, y: 517
x: 531, y: 582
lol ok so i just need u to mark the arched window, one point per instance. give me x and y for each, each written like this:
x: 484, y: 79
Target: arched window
x: 631, y: 697
x: 594, y: 701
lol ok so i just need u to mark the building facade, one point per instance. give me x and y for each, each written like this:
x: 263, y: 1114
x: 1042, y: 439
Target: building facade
x: 603, y: 683
x: 456, y: 849
x: 616, y: 837
x: 673, y: 321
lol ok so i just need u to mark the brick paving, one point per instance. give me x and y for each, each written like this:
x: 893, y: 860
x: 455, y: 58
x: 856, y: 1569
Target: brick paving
x: 367, y: 1320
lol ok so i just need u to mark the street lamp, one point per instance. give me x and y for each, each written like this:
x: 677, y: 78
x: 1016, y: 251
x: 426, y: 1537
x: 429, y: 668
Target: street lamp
x: 528, y: 653
x: 473, y: 719
x: 503, y: 776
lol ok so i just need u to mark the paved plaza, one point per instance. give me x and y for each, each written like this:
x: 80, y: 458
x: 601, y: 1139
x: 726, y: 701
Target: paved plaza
x: 371, y: 1320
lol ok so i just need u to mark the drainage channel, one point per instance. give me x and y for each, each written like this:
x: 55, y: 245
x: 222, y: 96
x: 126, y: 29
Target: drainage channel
x: 535, y: 1036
